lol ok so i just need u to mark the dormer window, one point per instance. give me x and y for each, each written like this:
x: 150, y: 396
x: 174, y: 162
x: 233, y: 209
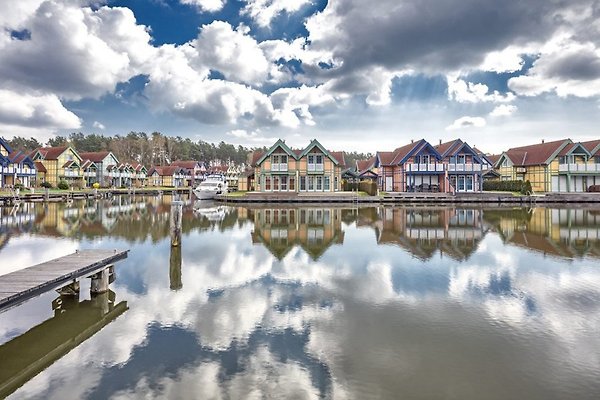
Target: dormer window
x: 461, y: 159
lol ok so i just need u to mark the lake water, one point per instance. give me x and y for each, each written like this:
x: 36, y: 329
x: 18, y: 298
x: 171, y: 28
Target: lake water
x: 309, y: 302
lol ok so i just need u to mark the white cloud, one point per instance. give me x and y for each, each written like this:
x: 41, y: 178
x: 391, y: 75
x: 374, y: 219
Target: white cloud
x: 233, y: 52
x: 507, y: 60
x: 264, y: 11
x: 206, y: 5
x: 466, y: 122
x: 566, y: 67
x: 38, y: 111
x: 503, y: 110
x: 75, y: 52
x: 98, y: 125
x: 468, y: 92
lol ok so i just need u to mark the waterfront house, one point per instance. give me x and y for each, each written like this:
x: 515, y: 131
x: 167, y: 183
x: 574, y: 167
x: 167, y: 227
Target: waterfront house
x: 90, y: 172
x: 193, y: 171
x: 536, y: 163
x: 578, y: 167
x: 168, y: 176
x: 140, y: 176
x: 16, y: 167
x: 312, y: 169
x: 414, y: 167
x: 463, y: 166
x: 61, y: 163
x: 366, y: 170
x: 104, y: 161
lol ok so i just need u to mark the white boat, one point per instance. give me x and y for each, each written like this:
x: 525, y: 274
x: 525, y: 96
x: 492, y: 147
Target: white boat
x: 213, y: 214
x: 212, y: 186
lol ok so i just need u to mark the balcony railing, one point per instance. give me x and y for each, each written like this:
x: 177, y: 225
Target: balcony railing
x: 279, y: 167
x: 579, y: 168
x: 90, y: 174
x: 464, y: 167
x: 70, y: 173
x: 315, y: 167
x: 425, y: 167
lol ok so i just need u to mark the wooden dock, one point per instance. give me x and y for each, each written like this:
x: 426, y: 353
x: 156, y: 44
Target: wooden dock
x: 19, y: 286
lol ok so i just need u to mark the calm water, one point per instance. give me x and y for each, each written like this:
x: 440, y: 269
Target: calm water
x: 309, y: 302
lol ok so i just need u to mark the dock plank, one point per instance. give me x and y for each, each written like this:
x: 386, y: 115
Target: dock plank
x: 24, y: 284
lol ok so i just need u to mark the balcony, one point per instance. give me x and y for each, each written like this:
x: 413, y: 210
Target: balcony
x: 464, y: 167
x: 579, y: 168
x: 71, y: 174
x: 425, y: 168
x: 89, y: 174
x: 315, y: 168
x: 279, y: 167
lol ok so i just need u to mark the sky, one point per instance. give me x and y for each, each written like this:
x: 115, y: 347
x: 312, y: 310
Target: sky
x: 355, y: 74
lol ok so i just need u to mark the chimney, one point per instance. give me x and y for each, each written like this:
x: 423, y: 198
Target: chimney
x: 542, y: 141
x: 440, y: 142
x: 412, y: 140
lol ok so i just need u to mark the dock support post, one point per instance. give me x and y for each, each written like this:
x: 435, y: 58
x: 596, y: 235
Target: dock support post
x: 46, y: 195
x: 72, y: 289
x: 100, y: 282
x: 175, y: 269
x: 175, y: 222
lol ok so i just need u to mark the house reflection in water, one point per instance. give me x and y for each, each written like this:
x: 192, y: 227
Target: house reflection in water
x: 73, y: 322
x: 313, y: 229
x: 423, y: 232
x: 567, y: 233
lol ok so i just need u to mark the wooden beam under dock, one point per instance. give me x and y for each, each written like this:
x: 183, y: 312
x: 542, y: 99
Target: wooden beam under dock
x: 19, y: 286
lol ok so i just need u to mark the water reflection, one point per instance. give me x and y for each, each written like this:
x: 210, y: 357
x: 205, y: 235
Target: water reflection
x: 73, y: 322
x: 334, y: 302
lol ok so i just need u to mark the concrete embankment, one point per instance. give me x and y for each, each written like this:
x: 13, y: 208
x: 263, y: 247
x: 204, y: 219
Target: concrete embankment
x: 411, y: 198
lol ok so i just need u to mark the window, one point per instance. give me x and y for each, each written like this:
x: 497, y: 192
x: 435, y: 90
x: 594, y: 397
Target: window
x: 292, y: 184
x: 315, y: 162
x: 327, y: 185
x: 469, y: 181
x: 424, y: 160
x: 452, y: 159
x: 562, y: 160
x: 311, y: 183
x: 284, y: 183
x: 505, y: 162
x: 335, y: 183
x: 319, y: 183
x: 461, y: 183
x: 303, y: 183
x: 267, y: 183
x: 276, y: 183
x: 460, y: 159
x: 597, y: 159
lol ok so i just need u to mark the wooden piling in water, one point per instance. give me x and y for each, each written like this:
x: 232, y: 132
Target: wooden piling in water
x: 175, y: 222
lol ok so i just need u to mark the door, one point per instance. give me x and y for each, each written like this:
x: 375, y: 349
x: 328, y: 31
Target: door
x: 389, y: 184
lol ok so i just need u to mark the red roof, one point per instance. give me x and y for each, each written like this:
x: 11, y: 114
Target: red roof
x: 52, y: 153
x: 591, y: 145
x: 256, y: 155
x: 403, y: 151
x: 165, y: 171
x: 386, y: 157
x: 17, y: 157
x: 494, y: 158
x: 68, y: 164
x: 86, y: 163
x: 188, y: 164
x: 340, y: 156
x: 364, y: 165
x: 95, y: 156
x: 444, y: 148
x: 535, y: 154
x: 40, y: 167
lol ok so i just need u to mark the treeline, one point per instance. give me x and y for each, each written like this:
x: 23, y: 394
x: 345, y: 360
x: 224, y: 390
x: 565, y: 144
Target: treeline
x: 153, y: 149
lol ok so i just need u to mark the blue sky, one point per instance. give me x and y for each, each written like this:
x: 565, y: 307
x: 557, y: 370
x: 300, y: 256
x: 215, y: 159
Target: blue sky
x: 356, y: 75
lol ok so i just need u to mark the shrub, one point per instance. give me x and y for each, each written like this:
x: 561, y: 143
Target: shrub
x: 523, y: 187
x: 368, y: 187
x: 96, y: 185
x: 63, y: 185
x: 19, y: 186
x: 46, y: 185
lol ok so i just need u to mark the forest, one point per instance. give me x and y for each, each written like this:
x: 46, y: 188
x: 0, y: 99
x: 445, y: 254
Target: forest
x: 155, y: 148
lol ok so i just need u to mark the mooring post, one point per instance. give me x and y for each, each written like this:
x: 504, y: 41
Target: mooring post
x: 176, y: 220
x: 100, y: 281
x: 46, y: 195
x: 175, y: 268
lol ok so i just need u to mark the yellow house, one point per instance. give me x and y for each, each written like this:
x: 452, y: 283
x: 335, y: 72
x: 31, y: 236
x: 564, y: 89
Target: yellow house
x: 169, y: 176
x: 313, y: 169
x: 535, y: 163
x: 61, y: 163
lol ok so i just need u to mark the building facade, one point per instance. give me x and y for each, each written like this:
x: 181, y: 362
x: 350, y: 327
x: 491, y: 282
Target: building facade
x: 312, y: 169
x: 61, y: 164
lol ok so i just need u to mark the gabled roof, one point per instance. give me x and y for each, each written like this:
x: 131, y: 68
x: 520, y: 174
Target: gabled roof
x: 70, y: 163
x: 364, y: 165
x: 256, y: 155
x: 96, y: 156
x: 494, y: 158
x: 340, y: 156
x: 278, y: 143
x: 51, y: 153
x: 315, y: 143
x: 40, y: 167
x: 188, y: 164
x: 384, y: 157
x: 87, y: 164
x: 394, y: 157
x: 593, y: 146
x: 572, y: 148
x: 4, y: 143
x: 536, y: 154
x: 18, y: 157
x: 139, y: 167
x: 165, y: 171
x: 447, y: 148
x: 403, y: 153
